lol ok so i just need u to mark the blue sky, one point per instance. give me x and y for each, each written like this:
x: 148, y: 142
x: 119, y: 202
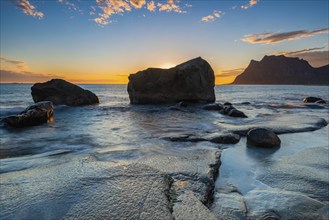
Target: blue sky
x: 94, y: 42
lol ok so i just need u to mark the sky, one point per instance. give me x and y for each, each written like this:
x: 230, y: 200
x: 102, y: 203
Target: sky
x: 103, y: 41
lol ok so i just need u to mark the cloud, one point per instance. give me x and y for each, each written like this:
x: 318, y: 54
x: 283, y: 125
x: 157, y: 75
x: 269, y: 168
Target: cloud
x: 250, y: 4
x: 137, y: 3
x: 271, y: 38
x: 216, y: 14
x: 8, y: 76
x: 315, y: 56
x: 170, y: 6
x: 291, y: 53
x: 151, y: 6
x: 103, y: 10
x: 230, y: 72
x: 21, y: 65
x: 71, y: 6
x: 109, y: 8
x: 29, y: 9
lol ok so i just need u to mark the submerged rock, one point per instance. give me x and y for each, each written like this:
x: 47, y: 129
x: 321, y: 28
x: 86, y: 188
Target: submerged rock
x: 225, y: 139
x: 213, y: 107
x: 312, y: 99
x: 60, y: 92
x: 320, y: 102
x: 230, y: 110
x: 191, y: 81
x: 179, y: 106
x: 237, y: 113
x: 36, y: 114
x: 262, y: 137
x: 281, y: 204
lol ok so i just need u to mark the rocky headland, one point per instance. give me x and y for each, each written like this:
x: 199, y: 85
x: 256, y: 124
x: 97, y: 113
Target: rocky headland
x: 281, y: 70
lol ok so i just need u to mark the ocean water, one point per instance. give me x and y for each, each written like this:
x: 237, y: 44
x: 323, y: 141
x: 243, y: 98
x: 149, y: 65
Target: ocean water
x: 119, y: 132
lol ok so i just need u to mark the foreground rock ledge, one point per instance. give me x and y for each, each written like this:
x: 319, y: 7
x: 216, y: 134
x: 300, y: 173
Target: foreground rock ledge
x: 191, y: 81
x: 61, y: 92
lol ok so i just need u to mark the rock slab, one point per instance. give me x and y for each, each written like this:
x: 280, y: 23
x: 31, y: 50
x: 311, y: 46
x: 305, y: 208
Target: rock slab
x: 192, y: 81
x: 36, y: 114
x: 61, y: 92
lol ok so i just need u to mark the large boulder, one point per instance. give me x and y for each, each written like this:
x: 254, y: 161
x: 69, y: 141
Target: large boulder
x: 36, y: 114
x: 263, y: 137
x: 192, y: 81
x: 61, y: 92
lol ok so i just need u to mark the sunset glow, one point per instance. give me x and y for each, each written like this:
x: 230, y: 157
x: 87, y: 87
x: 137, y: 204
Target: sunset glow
x: 105, y: 41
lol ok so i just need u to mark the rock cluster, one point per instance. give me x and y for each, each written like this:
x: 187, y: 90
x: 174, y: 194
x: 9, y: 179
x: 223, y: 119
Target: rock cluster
x: 230, y: 110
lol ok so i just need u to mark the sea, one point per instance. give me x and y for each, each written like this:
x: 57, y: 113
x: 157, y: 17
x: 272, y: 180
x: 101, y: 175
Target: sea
x: 119, y: 132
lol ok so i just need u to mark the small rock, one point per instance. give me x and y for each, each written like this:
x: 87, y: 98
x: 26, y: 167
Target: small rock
x: 213, y: 107
x: 36, y: 114
x: 225, y: 139
x: 262, y: 137
x: 227, y: 109
x: 236, y: 113
x: 245, y: 103
x: 313, y: 99
x: 227, y: 103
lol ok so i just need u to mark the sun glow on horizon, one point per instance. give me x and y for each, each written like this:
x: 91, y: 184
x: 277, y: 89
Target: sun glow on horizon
x: 167, y: 65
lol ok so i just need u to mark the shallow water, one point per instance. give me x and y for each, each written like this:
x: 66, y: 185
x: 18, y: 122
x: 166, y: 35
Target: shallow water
x: 115, y: 131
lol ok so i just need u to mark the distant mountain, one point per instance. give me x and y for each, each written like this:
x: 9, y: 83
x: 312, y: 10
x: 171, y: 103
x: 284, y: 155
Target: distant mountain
x: 281, y: 70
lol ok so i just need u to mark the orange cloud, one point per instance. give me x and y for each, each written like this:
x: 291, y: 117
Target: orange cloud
x: 8, y: 76
x: 20, y: 65
x: 216, y: 14
x: 137, y: 3
x: 29, y: 9
x: 250, y: 4
x: 151, y: 6
x: 170, y: 6
x: 270, y: 38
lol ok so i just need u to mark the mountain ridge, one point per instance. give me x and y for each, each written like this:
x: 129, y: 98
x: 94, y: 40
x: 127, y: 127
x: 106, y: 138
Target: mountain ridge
x: 282, y: 70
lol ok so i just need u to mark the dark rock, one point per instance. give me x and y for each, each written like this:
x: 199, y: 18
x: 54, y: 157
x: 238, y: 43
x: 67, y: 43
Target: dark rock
x: 230, y: 110
x: 59, y: 92
x: 245, y: 103
x: 36, y: 114
x: 227, y: 109
x: 227, y: 103
x: 283, y: 70
x: 262, y: 137
x: 213, y: 107
x: 182, y: 104
x: 192, y: 81
x: 225, y: 139
x: 312, y: 99
x: 184, y: 138
x: 236, y: 113
x: 179, y: 106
